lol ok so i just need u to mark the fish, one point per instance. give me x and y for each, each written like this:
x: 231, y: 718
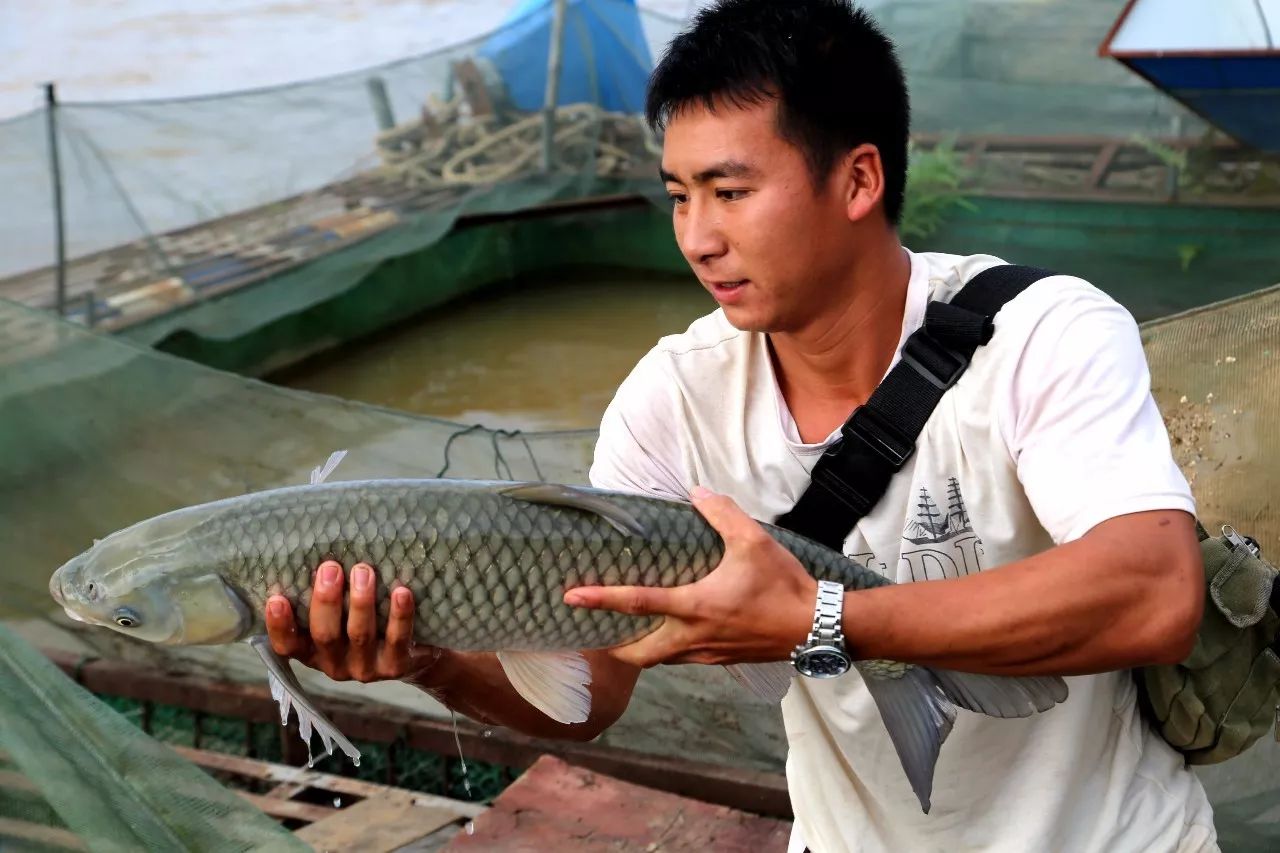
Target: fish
x: 488, y: 562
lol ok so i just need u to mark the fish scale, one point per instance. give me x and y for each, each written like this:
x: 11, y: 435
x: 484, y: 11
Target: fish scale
x: 486, y: 570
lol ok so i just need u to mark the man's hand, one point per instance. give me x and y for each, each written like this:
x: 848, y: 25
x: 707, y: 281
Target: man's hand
x: 471, y: 683
x: 756, y: 606
x: 353, y: 654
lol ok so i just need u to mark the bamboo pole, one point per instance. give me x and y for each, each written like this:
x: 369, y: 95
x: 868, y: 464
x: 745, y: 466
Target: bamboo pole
x: 553, y: 83
x: 59, y: 225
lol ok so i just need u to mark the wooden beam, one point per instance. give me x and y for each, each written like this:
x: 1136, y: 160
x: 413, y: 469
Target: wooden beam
x: 286, y: 791
x: 17, y: 782
x: 1102, y: 165
x: 748, y: 790
x: 379, y: 825
x: 283, y: 774
x: 289, y: 809
x: 43, y: 835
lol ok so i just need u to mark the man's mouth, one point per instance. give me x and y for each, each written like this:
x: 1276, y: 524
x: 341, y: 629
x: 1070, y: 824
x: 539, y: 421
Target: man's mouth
x: 727, y: 288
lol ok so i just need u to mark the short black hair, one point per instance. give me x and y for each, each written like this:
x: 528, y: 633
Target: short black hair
x: 835, y: 74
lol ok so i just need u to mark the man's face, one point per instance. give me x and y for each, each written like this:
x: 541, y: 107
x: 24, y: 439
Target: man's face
x: 759, y: 236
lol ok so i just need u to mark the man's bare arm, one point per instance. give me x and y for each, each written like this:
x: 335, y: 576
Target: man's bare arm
x: 471, y: 683
x: 1129, y: 593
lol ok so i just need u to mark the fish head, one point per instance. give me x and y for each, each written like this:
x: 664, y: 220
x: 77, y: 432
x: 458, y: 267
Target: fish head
x: 148, y: 582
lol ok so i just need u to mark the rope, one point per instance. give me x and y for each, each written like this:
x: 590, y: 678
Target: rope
x: 442, y: 151
x: 501, y: 467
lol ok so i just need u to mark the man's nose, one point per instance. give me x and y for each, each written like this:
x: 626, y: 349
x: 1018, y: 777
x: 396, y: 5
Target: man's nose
x: 699, y: 235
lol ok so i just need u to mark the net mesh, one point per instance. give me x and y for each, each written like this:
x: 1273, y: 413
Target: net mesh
x: 180, y: 201
x: 75, y: 774
x: 290, y: 196
x: 1215, y: 373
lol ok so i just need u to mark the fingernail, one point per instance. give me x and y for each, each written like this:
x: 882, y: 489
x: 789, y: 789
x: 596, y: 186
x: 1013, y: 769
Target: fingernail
x: 403, y: 598
x: 275, y: 609
x: 361, y: 578
x: 329, y: 574
x: 573, y: 599
x: 699, y: 492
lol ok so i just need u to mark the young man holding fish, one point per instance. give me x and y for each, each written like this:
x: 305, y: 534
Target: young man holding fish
x: 1042, y: 504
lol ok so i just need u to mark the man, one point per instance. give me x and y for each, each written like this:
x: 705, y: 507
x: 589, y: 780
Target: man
x: 1042, y: 505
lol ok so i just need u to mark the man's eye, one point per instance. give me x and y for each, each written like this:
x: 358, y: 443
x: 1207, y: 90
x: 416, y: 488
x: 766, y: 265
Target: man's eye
x: 731, y: 195
x: 677, y: 198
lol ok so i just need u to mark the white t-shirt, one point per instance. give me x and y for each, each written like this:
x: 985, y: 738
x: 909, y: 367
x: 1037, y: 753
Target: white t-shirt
x: 1051, y: 430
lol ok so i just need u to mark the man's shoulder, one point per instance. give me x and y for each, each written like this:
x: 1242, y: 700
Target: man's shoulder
x: 948, y: 274
x: 1060, y: 298
x: 710, y: 336
x: 703, y: 350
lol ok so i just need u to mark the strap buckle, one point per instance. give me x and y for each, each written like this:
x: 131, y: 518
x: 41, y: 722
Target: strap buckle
x: 922, y: 349
x: 879, y: 436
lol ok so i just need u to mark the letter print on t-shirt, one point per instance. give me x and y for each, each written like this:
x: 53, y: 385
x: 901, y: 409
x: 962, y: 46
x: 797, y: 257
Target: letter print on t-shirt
x: 938, y: 540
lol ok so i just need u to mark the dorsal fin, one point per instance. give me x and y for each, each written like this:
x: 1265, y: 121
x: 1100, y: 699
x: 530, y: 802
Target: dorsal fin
x: 561, y: 495
x: 321, y: 473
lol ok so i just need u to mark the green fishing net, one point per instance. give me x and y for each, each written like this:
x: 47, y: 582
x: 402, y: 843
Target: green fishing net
x: 75, y: 774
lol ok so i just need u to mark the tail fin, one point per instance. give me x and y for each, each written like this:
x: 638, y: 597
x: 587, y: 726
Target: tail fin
x: 919, y: 718
x: 919, y: 709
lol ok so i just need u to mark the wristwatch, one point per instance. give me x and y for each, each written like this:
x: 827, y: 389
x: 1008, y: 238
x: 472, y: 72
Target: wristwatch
x: 822, y: 654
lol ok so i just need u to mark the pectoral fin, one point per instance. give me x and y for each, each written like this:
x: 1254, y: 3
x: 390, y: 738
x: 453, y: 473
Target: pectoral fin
x: 553, y: 682
x: 560, y: 495
x: 288, y: 693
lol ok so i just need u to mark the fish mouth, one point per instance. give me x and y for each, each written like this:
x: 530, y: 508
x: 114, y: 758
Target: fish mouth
x: 62, y: 583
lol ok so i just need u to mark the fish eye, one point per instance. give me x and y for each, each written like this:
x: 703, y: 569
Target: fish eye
x: 126, y: 618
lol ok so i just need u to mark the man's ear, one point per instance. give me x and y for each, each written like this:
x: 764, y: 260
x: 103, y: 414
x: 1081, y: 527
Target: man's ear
x: 862, y: 179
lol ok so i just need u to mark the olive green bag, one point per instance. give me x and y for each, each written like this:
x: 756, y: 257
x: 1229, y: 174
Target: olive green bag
x: 1226, y: 694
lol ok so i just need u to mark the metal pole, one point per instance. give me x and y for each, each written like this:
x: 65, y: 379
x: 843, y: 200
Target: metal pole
x: 59, y: 225
x: 381, y: 103
x: 553, y: 83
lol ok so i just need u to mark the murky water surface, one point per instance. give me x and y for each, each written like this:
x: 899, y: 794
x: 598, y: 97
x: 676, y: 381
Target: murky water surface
x: 537, y: 354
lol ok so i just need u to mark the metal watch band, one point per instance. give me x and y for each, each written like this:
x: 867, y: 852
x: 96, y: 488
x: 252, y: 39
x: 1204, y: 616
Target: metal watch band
x: 826, y: 615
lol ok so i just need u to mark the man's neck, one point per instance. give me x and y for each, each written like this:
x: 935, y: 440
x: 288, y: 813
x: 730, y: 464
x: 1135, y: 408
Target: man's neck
x: 832, y: 364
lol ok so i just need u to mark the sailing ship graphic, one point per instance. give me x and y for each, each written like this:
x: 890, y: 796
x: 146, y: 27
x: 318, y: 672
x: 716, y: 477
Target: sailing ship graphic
x: 932, y: 525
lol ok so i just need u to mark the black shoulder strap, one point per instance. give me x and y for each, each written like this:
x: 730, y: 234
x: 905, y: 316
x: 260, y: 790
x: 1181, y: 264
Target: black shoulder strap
x: 854, y: 473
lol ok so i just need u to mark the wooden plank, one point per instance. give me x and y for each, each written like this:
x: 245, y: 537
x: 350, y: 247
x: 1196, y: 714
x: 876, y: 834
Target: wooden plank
x: 267, y: 771
x: 289, y: 809
x: 17, y: 782
x: 286, y: 790
x: 752, y: 790
x: 556, y: 806
x: 1102, y: 165
x: 47, y: 835
x: 378, y: 825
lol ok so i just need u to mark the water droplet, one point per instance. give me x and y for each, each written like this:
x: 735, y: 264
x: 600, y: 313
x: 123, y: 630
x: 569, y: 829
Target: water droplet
x: 466, y: 779
x: 356, y: 761
x: 488, y: 732
x: 471, y: 827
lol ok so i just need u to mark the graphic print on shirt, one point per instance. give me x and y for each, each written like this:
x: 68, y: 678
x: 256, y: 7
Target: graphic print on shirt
x: 940, y: 543
x: 937, y: 543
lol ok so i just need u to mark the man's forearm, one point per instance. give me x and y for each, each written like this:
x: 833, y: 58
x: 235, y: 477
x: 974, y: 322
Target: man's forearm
x: 474, y: 685
x: 1128, y: 594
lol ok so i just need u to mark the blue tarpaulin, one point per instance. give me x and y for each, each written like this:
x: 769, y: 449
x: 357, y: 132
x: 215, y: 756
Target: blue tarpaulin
x: 1218, y: 59
x: 605, y: 59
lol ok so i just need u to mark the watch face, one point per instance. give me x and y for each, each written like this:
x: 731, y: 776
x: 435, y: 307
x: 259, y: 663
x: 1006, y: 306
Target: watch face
x: 822, y: 662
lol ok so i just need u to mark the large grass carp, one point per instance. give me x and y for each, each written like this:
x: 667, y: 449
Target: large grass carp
x: 488, y: 564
